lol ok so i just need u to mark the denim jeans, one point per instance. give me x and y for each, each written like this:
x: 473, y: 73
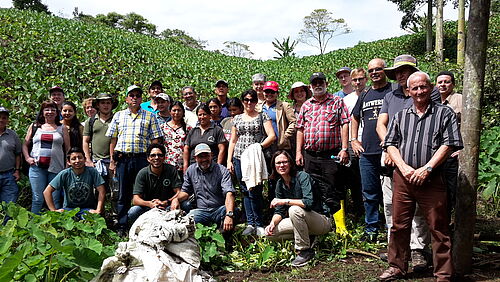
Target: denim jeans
x: 369, y: 167
x: 81, y: 213
x: 209, y: 216
x: 136, y: 211
x: 252, y: 199
x: 126, y: 171
x: 39, y: 179
x: 8, y: 187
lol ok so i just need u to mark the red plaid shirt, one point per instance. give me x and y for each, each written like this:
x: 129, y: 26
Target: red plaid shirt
x: 322, y: 122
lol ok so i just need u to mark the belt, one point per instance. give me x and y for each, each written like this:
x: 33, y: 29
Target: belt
x: 323, y: 154
x: 132, y: 155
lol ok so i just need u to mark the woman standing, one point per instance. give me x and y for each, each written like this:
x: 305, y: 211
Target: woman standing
x: 71, y: 122
x: 249, y: 128
x: 299, y: 93
x: 215, y: 110
x: 205, y: 132
x: 298, y: 213
x: 235, y: 108
x: 174, y: 135
x: 44, y: 149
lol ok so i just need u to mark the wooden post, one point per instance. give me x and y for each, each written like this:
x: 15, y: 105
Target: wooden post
x: 428, y: 27
x: 439, y: 31
x: 461, y: 33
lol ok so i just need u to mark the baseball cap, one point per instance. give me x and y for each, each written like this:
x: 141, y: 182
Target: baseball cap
x: 201, y: 148
x: 258, y: 77
x: 4, y: 110
x: 317, y: 75
x: 343, y: 69
x: 56, y: 88
x: 399, y: 61
x: 156, y: 83
x: 273, y: 85
x: 164, y: 97
x: 133, y: 87
x: 221, y: 81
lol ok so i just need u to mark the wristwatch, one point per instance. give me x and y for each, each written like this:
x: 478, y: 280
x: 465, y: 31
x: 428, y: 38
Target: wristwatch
x: 230, y: 214
x: 428, y: 168
x: 353, y: 139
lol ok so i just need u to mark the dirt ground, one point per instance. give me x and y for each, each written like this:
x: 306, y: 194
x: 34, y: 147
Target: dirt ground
x: 358, y: 268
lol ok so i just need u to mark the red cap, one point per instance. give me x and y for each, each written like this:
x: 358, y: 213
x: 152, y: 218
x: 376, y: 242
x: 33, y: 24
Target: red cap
x: 273, y: 85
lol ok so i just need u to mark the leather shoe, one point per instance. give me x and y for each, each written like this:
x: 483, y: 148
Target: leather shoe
x: 391, y: 274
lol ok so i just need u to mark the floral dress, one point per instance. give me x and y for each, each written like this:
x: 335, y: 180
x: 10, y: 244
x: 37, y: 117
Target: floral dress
x: 174, y: 144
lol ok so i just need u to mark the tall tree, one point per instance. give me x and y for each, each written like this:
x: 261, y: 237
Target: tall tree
x: 285, y: 48
x: 182, y: 37
x: 233, y: 48
x: 475, y: 61
x: 439, y: 31
x: 137, y: 23
x: 112, y: 19
x: 35, y: 5
x: 320, y: 27
x: 461, y: 33
x: 428, y: 32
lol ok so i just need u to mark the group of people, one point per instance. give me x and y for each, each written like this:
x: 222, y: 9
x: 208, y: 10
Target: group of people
x: 394, y: 146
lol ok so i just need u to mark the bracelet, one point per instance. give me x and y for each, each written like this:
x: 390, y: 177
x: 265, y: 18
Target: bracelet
x: 353, y: 139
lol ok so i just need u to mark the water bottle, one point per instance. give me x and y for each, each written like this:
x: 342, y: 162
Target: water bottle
x: 337, y: 160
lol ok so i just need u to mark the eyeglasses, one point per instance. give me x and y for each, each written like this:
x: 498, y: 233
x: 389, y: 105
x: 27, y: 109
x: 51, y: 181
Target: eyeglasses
x: 250, y: 100
x: 282, y: 163
x: 135, y: 96
x: 156, y: 155
x: 188, y: 93
x: 358, y: 79
x: 375, y: 69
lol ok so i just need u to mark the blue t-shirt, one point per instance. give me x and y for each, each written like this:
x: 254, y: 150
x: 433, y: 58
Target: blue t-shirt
x: 367, y: 109
x: 78, y: 189
x: 340, y: 94
x: 147, y: 107
x: 271, y: 112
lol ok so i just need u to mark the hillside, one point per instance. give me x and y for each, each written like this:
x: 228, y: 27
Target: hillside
x: 39, y: 51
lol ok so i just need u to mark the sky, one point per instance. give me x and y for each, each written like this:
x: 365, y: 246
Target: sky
x: 255, y: 23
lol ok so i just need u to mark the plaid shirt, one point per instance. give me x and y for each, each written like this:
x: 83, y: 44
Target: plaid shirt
x: 322, y: 122
x: 134, y: 132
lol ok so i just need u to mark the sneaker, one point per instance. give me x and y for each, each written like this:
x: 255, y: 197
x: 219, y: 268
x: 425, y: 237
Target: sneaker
x: 260, y: 231
x: 418, y: 261
x: 303, y: 257
x: 249, y: 230
x: 391, y: 274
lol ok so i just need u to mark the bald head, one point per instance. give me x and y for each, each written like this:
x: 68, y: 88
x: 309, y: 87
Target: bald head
x: 376, y: 73
x: 419, y: 76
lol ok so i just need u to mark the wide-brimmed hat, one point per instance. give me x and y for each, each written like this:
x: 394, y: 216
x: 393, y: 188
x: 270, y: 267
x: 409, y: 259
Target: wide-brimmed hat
x: 299, y: 84
x: 104, y: 96
x: 400, y: 61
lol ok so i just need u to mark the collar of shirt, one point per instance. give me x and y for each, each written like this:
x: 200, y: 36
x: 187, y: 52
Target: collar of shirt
x: 265, y: 106
x: 154, y: 174
x: 448, y: 99
x: 210, y: 168
x: 429, y: 110
x: 5, y: 132
x: 127, y: 110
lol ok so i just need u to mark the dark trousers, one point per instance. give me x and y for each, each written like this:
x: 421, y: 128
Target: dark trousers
x: 127, y: 170
x: 431, y: 198
x: 450, y: 170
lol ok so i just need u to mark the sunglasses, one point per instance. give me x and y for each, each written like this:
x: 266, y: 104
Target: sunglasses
x: 269, y: 91
x: 375, y: 69
x: 358, y: 79
x: 188, y: 93
x: 156, y: 155
x: 250, y: 100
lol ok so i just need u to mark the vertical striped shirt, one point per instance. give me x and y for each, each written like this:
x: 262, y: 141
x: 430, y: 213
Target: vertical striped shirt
x: 134, y: 131
x: 418, y: 138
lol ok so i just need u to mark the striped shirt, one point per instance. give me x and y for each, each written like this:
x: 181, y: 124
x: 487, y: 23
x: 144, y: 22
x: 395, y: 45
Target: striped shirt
x: 322, y: 123
x: 418, y: 138
x: 134, y: 131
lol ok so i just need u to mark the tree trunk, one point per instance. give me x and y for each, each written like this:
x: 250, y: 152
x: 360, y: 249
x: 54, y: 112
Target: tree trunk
x: 439, y: 31
x: 461, y: 33
x: 475, y: 60
x: 428, y: 27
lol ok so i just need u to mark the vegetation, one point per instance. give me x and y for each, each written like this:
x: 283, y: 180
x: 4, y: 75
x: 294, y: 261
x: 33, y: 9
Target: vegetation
x: 285, y: 48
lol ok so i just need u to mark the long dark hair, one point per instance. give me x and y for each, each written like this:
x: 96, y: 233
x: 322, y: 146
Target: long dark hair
x: 291, y: 163
x: 40, y: 119
x: 183, y: 122
x: 74, y: 127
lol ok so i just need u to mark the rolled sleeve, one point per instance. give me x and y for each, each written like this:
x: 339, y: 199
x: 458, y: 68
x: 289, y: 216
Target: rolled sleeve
x: 187, y: 185
x: 343, y: 113
x: 451, y: 133
x: 155, y: 130
x: 226, y: 183
x: 113, y: 126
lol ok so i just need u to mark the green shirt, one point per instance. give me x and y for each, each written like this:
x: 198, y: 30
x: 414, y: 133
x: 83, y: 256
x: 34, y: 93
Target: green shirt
x: 100, y: 143
x: 78, y: 189
x: 151, y: 186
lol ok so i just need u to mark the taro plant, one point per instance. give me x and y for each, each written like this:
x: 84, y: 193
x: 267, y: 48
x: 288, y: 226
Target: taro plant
x: 212, y: 245
x: 52, y: 246
x: 489, y: 169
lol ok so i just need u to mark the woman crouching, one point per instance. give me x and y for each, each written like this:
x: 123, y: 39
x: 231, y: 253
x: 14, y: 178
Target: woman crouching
x: 298, y: 213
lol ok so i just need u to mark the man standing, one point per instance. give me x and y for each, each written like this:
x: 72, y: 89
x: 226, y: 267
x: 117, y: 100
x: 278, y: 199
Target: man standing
x: 10, y: 154
x: 156, y: 185
x: 344, y: 77
x: 163, y: 102
x: 445, y: 82
x: 154, y: 89
x: 190, y: 104
x: 369, y: 150
x: 221, y: 89
x: 79, y: 184
x: 395, y: 101
x: 258, y: 81
x: 212, y: 188
x: 418, y: 154
x: 323, y: 130
x: 132, y: 131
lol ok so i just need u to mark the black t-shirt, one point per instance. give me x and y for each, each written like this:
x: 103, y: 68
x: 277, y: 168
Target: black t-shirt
x: 367, y: 108
x: 151, y: 186
x: 213, y: 136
